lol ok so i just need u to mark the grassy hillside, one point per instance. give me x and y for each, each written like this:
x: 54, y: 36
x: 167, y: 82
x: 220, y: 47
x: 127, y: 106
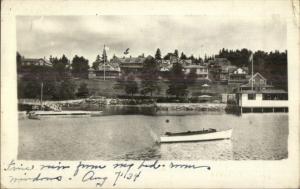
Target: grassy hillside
x: 108, y: 88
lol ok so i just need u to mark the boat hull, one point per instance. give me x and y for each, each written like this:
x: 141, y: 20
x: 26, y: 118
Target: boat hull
x: 198, y: 137
x: 66, y: 113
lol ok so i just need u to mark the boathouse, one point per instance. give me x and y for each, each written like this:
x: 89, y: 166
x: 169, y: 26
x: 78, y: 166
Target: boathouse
x: 258, y: 96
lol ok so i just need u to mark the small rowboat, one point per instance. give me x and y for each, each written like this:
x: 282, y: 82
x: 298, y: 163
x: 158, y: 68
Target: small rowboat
x: 194, y: 136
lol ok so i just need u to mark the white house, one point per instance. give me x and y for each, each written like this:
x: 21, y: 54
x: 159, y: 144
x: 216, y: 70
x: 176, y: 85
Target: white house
x: 239, y: 75
x: 201, y: 71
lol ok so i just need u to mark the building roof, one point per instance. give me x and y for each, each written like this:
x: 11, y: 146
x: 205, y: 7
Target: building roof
x: 265, y: 91
x: 219, y: 61
x: 273, y: 91
x: 228, y: 68
x: 257, y: 75
x: 205, y: 96
x: 249, y: 85
x: 37, y: 61
x: 134, y: 60
x: 109, y: 67
x: 240, y: 71
x: 185, y: 61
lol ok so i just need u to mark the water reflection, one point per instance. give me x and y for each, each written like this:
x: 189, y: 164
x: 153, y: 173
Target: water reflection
x: 212, y: 150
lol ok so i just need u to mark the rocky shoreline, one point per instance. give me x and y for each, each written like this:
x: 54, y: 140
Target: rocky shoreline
x: 131, y: 106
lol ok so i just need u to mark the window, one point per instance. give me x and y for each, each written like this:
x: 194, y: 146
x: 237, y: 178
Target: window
x: 275, y: 97
x: 251, y: 96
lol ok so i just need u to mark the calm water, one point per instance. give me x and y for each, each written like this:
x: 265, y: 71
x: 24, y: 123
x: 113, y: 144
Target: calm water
x: 255, y: 136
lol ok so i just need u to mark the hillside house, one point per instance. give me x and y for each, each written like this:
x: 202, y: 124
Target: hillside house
x: 36, y: 62
x: 201, y: 71
x: 239, y: 75
x: 105, y: 71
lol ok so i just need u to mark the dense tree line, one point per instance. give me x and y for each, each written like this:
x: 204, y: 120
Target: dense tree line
x: 56, y: 81
x: 272, y: 65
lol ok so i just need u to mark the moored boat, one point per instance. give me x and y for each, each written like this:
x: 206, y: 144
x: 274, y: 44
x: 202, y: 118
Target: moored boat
x: 194, y: 136
x: 34, y: 114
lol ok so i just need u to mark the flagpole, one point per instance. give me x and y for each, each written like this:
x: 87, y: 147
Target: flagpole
x: 42, y: 86
x: 252, y: 72
x: 104, y: 57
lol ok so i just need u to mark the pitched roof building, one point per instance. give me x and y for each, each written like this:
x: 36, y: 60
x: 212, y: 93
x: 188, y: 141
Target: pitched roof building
x: 36, y: 62
x: 109, y: 70
x: 132, y: 64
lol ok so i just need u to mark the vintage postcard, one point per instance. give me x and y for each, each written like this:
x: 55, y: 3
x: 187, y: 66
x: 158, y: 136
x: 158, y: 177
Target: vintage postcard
x: 150, y: 94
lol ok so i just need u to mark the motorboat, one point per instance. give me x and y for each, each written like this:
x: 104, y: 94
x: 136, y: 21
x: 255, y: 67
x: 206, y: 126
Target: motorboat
x: 194, y: 136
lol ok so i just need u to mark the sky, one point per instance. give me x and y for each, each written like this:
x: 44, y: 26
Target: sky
x: 42, y: 36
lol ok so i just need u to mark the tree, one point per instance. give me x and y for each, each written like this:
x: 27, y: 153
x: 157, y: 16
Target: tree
x: 194, y: 60
x: 205, y: 58
x: 19, y: 61
x: 168, y: 56
x: 158, y: 54
x: 32, y: 89
x: 67, y: 90
x: 192, y: 76
x: 176, y: 53
x: 83, y: 90
x: 131, y: 86
x: 97, y: 62
x: 149, y: 78
x: 80, y: 66
x: 61, y: 66
x: 120, y: 84
x: 50, y: 89
x: 183, y: 56
x: 199, y: 60
x: 20, y: 89
x: 128, y: 84
x: 177, y: 86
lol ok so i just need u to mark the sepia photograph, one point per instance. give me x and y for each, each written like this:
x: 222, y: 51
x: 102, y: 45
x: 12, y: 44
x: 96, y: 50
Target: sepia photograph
x: 161, y: 87
x: 150, y: 94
